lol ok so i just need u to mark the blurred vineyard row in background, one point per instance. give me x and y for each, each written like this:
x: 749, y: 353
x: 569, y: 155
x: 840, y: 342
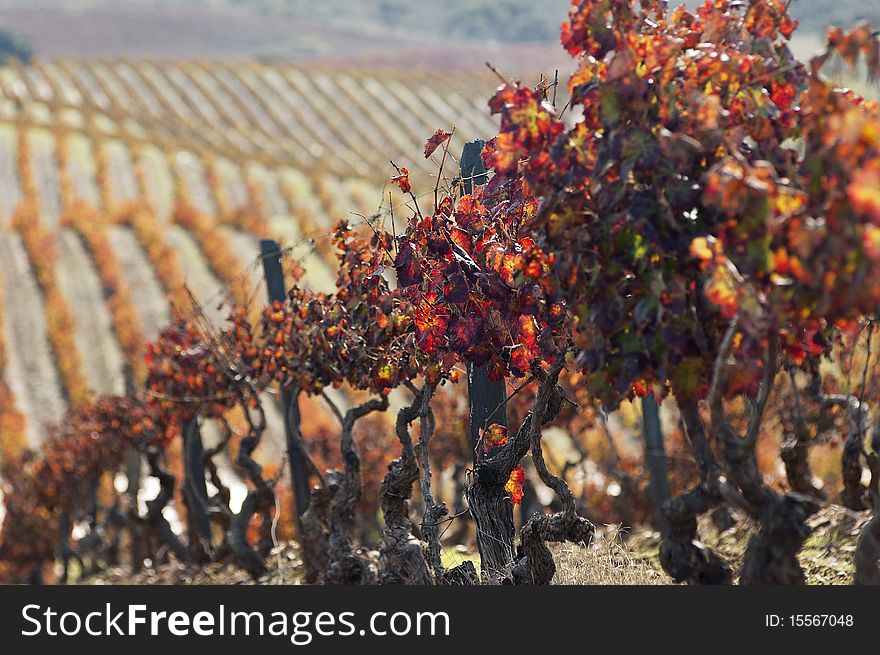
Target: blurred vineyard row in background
x: 122, y: 182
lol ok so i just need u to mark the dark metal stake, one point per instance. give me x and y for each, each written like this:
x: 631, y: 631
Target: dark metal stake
x: 193, y: 455
x: 485, y: 398
x: 299, y: 474
x: 655, y: 457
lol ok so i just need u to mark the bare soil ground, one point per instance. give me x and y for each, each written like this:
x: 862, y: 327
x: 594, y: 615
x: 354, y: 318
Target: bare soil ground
x: 102, y: 359
x: 11, y: 195
x: 201, y: 281
x: 146, y: 292
x: 45, y: 172
x: 31, y: 368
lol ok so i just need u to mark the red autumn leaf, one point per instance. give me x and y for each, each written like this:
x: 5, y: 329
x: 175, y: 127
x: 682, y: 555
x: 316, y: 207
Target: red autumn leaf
x: 795, y: 353
x: 817, y: 344
x: 502, y: 96
x: 528, y: 333
x: 409, y: 270
x: 455, y: 290
x: 445, y: 207
x: 430, y: 326
x: 864, y: 192
x: 520, y: 360
x: 439, y: 136
x: 721, y: 291
x: 494, y: 436
x: 465, y: 331
x: 470, y: 212
x: 402, y: 180
x: 782, y: 95
x: 461, y: 238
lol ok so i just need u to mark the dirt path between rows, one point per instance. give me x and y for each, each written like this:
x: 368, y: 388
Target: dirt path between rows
x: 45, y: 171
x: 30, y: 371
x: 201, y: 281
x: 10, y: 187
x: 146, y: 292
x: 103, y: 364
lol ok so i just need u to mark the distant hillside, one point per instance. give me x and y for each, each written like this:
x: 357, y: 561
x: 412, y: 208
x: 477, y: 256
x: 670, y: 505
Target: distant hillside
x: 231, y: 29
x: 296, y: 29
x: 511, y: 20
x: 306, y: 27
x: 817, y: 15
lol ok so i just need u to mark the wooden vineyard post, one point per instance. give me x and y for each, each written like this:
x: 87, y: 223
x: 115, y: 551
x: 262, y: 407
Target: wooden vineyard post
x: 655, y: 457
x: 270, y: 252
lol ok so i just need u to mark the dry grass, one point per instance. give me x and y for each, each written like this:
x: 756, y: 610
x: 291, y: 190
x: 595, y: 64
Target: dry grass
x: 607, y: 561
x: 826, y: 557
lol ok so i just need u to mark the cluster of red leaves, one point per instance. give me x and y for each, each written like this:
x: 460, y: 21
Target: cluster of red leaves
x: 361, y: 335
x: 479, y: 284
x: 493, y: 437
x: 189, y: 371
x: 91, y: 441
x: 402, y: 179
x: 28, y: 537
x: 710, y: 174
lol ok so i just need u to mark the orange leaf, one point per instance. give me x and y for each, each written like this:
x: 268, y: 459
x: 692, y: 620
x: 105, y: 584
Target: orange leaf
x: 514, y: 485
x: 402, y: 181
x: 494, y: 436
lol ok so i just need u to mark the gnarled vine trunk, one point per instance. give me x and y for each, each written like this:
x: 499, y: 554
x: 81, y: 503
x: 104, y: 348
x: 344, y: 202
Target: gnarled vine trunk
x: 155, y: 520
x: 867, y: 558
x: 315, y: 540
x: 682, y: 555
x: 401, y: 557
x: 771, y: 555
x: 259, y: 500
x: 537, y: 566
x: 795, y: 453
x: 346, y: 567
x: 492, y: 510
x: 855, y: 495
